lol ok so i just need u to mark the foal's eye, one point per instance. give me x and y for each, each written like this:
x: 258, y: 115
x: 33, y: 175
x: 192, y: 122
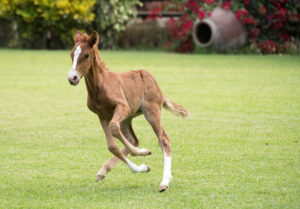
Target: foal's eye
x: 86, y: 56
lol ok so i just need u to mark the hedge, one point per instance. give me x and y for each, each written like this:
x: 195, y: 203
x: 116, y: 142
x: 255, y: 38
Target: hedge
x: 51, y: 24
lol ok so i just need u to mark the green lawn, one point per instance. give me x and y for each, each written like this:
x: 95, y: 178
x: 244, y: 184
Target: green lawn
x: 239, y: 149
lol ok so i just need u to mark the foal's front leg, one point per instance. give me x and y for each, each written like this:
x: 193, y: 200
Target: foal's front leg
x: 109, y: 164
x: 120, y: 114
x: 113, y: 148
x: 127, y: 130
x: 111, y: 142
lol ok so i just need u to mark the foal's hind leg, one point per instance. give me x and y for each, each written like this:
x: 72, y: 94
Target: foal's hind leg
x: 152, y: 114
x: 126, y: 129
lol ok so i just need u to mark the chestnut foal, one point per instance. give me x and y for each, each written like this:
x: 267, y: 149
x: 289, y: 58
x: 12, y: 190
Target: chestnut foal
x: 117, y: 98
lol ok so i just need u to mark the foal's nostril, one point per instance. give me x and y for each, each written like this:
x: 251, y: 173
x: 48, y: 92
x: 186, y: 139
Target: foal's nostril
x: 74, y: 78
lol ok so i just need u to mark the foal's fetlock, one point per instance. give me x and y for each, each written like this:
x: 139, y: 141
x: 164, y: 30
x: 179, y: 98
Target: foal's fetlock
x: 142, y: 152
x: 99, y: 177
x: 146, y: 151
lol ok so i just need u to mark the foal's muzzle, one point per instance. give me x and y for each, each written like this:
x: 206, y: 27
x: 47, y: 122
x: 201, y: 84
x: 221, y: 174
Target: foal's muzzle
x: 73, y: 79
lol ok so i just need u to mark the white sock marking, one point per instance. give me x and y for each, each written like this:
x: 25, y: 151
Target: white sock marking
x: 135, y: 168
x: 167, y: 170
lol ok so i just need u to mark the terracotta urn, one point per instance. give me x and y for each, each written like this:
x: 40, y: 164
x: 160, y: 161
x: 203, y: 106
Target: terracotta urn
x: 221, y: 30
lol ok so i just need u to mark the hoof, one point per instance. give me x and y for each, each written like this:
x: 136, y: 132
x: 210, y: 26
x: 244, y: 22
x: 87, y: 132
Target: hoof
x: 162, y: 188
x: 99, y: 178
x: 145, y: 152
x: 148, y: 169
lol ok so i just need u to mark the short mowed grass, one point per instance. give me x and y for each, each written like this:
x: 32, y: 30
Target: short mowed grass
x: 239, y: 149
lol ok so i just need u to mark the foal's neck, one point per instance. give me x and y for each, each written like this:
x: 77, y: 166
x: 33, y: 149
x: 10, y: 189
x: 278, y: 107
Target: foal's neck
x: 94, y: 78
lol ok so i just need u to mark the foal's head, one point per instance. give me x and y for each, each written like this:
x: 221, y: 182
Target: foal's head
x: 82, y: 56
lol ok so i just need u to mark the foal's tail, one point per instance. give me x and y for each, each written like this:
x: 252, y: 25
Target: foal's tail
x: 176, y: 109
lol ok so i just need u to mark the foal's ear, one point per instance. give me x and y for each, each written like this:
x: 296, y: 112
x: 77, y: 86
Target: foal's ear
x: 77, y: 36
x: 93, y: 39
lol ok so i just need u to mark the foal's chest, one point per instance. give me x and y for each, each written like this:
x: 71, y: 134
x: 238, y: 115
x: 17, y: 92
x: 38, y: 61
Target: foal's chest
x: 104, y: 109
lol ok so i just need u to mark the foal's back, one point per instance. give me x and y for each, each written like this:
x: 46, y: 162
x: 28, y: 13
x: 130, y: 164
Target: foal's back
x: 138, y: 87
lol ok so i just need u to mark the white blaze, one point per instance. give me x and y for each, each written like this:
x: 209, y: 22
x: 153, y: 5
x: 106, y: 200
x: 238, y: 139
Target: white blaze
x: 73, y: 71
x: 167, y: 170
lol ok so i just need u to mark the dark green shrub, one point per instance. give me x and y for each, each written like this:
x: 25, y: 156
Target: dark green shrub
x: 111, y: 19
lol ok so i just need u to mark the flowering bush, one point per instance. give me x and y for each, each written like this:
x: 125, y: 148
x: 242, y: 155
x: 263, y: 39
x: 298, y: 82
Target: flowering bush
x: 270, y: 23
x: 51, y: 24
x: 44, y: 24
x: 155, y: 13
x: 179, y: 32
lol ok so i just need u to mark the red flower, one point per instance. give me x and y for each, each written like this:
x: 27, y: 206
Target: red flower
x: 284, y: 37
x: 188, y: 24
x: 193, y: 6
x: 246, y: 2
x: 250, y: 20
x: 241, y: 14
x: 201, y: 15
x: 184, y: 17
x: 271, y: 43
x: 277, y: 25
x: 155, y: 13
x: 254, y: 32
x: 283, y: 12
x: 226, y: 5
x: 210, y: 1
x: 278, y: 5
x: 262, y: 10
x: 267, y: 46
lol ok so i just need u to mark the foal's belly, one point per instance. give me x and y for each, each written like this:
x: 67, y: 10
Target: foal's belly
x: 106, y: 112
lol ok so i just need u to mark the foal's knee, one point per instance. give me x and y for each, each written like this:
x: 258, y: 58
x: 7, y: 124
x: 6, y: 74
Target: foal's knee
x: 114, y: 128
x: 112, y: 148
